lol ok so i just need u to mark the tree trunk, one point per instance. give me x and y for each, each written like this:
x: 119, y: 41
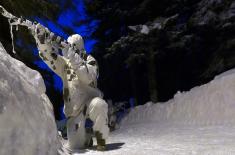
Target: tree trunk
x: 152, y: 81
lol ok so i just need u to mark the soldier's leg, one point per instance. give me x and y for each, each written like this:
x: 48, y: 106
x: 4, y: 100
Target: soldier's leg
x: 76, y: 132
x: 98, y: 113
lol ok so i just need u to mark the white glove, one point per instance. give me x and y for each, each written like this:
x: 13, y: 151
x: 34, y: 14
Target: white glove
x: 74, y: 57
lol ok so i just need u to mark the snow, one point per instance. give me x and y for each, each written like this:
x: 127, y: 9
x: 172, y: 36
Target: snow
x: 200, y: 121
x: 144, y: 29
x: 209, y: 104
x: 26, y: 114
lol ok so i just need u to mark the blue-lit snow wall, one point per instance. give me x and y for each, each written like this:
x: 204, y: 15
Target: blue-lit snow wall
x: 75, y: 19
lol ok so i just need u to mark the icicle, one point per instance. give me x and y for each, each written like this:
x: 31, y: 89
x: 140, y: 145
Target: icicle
x: 17, y: 27
x: 12, y: 36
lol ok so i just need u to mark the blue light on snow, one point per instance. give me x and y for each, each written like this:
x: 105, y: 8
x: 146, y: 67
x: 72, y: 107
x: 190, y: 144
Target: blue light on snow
x: 34, y: 49
x: 58, y: 84
x: 52, y: 26
x: 76, y: 20
x: 89, y: 45
x: 66, y: 18
x: 61, y: 111
x: 41, y: 64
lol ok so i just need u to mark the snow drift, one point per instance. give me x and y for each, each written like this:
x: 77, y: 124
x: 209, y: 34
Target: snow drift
x: 209, y: 104
x: 26, y: 114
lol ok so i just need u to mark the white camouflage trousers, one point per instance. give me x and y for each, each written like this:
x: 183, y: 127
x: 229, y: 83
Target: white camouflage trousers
x: 96, y: 111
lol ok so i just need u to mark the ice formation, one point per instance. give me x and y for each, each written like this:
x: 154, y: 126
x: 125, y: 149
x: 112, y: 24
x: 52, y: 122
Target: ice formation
x: 26, y: 114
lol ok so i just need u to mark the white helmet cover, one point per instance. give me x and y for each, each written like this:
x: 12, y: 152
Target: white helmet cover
x: 76, y: 41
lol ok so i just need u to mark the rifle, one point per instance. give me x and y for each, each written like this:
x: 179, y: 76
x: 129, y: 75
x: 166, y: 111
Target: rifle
x: 13, y: 20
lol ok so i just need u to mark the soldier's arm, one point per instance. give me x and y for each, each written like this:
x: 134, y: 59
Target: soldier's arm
x: 54, y: 61
x: 49, y: 46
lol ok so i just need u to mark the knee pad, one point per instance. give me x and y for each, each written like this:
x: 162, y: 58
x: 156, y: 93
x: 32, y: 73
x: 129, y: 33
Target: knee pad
x: 98, y: 109
x: 98, y: 104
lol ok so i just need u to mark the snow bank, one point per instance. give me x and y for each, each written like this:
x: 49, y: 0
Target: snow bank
x: 209, y: 104
x: 198, y: 122
x: 27, y: 125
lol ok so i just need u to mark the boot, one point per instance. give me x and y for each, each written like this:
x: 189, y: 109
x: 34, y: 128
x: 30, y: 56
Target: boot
x: 89, y: 141
x: 100, y: 141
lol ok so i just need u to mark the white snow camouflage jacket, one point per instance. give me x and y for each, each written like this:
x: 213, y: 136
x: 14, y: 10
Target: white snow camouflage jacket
x: 77, y: 70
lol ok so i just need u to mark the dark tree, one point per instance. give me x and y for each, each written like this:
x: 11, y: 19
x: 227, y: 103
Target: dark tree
x: 194, y: 43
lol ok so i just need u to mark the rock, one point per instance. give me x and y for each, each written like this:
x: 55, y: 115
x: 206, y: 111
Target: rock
x: 26, y: 114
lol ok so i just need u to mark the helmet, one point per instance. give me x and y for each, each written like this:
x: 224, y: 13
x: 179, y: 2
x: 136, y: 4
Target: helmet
x: 76, y: 41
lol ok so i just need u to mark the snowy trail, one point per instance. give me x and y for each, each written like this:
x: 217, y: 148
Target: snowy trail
x: 155, y: 139
x: 198, y: 122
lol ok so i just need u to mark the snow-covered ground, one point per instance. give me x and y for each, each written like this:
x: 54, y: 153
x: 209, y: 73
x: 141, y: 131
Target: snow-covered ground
x: 201, y: 121
x: 150, y: 138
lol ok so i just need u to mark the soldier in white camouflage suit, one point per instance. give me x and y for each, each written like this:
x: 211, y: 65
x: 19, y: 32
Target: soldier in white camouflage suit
x: 79, y: 72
